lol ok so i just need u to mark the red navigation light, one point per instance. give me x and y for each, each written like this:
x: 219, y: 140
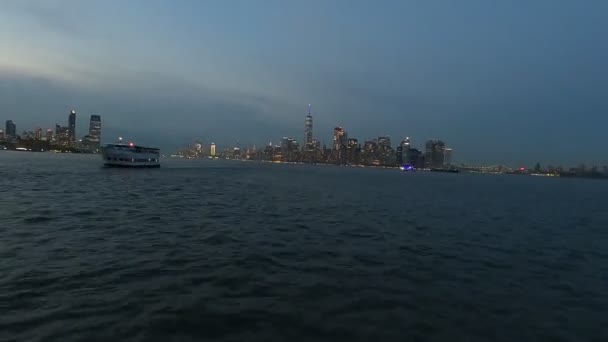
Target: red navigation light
x: 131, y: 144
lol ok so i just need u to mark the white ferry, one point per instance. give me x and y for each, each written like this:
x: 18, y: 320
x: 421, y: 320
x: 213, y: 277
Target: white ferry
x: 130, y: 155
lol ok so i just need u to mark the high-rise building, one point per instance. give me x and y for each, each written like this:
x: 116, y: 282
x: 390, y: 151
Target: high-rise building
x: 384, y: 143
x: 405, y: 150
x: 11, y: 130
x: 290, y: 149
x: 2, y: 134
x: 434, y: 153
x: 49, y: 135
x: 416, y: 158
x: 308, y: 142
x: 340, y: 142
x: 447, y: 157
x: 353, y: 149
x: 62, y: 135
x: 72, y: 128
x: 212, y: 150
x: 95, y: 131
x: 38, y: 135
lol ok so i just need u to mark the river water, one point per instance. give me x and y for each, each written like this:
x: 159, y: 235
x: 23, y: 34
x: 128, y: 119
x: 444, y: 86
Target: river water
x: 246, y: 251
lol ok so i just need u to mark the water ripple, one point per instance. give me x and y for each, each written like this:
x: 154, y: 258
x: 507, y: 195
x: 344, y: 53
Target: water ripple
x: 230, y: 251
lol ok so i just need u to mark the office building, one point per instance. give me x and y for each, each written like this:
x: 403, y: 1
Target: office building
x: 212, y: 150
x: 49, y: 135
x: 308, y: 142
x: 434, y: 153
x: 384, y: 143
x: 11, y: 130
x: 38, y: 134
x: 340, y: 142
x: 2, y: 137
x: 352, y: 150
x: 447, y: 157
x: 405, y: 150
x: 62, y: 135
x: 95, y: 132
x: 72, y: 128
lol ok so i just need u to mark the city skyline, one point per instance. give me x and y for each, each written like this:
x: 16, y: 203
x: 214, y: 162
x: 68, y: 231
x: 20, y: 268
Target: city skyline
x: 501, y: 83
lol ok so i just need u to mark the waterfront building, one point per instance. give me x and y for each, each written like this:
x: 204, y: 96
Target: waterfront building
x: 405, y: 151
x: 308, y: 139
x: 384, y: 143
x: 72, y: 128
x: 434, y: 153
x: 340, y: 145
x: 49, y: 135
x: 212, y: 150
x: 11, y: 130
x: 447, y: 157
x: 62, y: 136
x: 352, y: 151
x: 95, y: 131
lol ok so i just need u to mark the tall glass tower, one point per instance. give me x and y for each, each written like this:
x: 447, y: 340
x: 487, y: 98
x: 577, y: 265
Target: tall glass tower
x: 72, y: 128
x: 11, y: 130
x: 95, y: 131
x: 308, y: 142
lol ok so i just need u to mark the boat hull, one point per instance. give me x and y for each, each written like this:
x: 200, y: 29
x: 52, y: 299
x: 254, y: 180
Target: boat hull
x: 130, y: 156
x: 131, y: 165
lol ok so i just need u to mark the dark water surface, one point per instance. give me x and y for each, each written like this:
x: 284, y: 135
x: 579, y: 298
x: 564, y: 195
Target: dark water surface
x: 243, y: 251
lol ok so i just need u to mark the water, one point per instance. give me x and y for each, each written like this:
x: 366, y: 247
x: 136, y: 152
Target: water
x: 243, y: 251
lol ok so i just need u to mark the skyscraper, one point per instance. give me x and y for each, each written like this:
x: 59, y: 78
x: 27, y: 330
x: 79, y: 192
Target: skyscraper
x: 212, y: 151
x: 95, y: 131
x: 340, y: 142
x: 72, y: 128
x: 353, y: 150
x: 62, y: 135
x: 2, y: 137
x: 308, y: 142
x: 447, y: 157
x: 434, y: 153
x: 405, y: 150
x: 38, y: 135
x: 384, y: 143
x: 11, y: 130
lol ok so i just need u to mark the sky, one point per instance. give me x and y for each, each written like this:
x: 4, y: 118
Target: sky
x: 501, y: 82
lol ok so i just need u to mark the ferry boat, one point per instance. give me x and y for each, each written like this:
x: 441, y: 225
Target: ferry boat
x: 130, y: 155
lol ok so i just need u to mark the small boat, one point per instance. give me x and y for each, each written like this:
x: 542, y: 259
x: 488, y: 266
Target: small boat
x: 130, y: 155
x: 407, y: 168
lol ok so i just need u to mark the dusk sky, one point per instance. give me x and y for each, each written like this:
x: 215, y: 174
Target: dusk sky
x: 511, y: 82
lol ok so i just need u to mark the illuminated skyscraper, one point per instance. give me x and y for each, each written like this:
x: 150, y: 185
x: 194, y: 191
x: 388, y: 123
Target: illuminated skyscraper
x: 353, y: 150
x: 62, y: 135
x: 340, y: 142
x: 212, y: 151
x: 11, y: 130
x: 72, y: 128
x: 95, y: 131
x: 308, y: 142
x: 433, y: 155
x: 384, y: 143
x: 405, y: 150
